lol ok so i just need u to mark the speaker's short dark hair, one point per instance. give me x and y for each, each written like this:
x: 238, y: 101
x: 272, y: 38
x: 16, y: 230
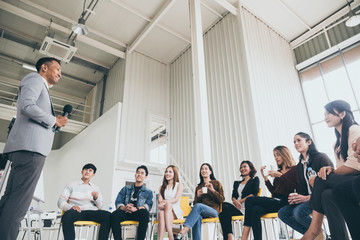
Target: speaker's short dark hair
x: 88, y: 166
x: 143, y: 167
x: 41, y: 61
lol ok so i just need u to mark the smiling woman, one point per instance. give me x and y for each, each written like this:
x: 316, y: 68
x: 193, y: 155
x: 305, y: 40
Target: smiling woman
x: 285, y: 180
x: 206, y: 203
x: 338, y: 115
x: 297, y: 213
x: 247, y: 187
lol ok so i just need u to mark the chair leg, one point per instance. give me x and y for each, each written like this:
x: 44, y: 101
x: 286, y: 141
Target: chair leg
x: 276, y: 236
x: 59, y: 231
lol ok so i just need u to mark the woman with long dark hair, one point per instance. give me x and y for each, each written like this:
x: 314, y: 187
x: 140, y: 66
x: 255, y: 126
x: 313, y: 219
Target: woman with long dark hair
x: 247, y: 187
x: 297, y: 213
x: 209, y: 195
x: 169, y: 201
x: 338, y: 115
x: 285, y: 181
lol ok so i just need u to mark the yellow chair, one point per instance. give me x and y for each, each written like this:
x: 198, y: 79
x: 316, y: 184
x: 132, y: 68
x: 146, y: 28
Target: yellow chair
x: 185, y: 207
x: 125, y: 224
x: 274, y: 217
x: 81, y: 224
x: 215, y: 221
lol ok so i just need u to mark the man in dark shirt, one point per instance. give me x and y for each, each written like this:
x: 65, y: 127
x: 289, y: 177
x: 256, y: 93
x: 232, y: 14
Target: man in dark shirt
x: 133, y: 203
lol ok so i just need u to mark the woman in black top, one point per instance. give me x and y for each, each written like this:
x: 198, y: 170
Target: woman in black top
x: 247, y: 187
x: 297, y: 213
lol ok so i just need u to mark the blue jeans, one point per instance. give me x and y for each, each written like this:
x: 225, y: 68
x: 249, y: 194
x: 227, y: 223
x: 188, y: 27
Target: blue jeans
x: 296, y: 216
x: 193, y: 221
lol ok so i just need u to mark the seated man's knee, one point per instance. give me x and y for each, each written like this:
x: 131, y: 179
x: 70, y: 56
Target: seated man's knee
x: 144, y: 214
x: 117, y: 215
x: 68, y: 216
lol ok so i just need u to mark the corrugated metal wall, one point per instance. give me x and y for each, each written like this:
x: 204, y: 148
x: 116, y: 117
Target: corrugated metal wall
x: 182, y: 138
x: 277, y: 97
x: 228, y: 121
x: 114, y: 85
x: 318, y: 44
x: 255, y: 102
x: 146, y: 91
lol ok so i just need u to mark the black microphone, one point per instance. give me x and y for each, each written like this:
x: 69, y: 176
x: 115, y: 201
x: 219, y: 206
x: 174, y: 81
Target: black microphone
x: 66, y: 111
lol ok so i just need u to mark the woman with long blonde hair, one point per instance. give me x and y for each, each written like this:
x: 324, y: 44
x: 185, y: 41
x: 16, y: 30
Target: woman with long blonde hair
x: 285, y: 181
x: 169, y: 201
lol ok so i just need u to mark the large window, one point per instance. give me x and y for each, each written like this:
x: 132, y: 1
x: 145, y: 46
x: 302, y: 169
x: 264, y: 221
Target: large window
x: 337, y: 77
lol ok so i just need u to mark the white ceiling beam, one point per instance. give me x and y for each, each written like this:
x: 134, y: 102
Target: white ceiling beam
x: 93, y: 61
x: 228, y: 6
x: 55, y: 14
x: 44, y: 22
x: 299, y: 40
x: 295, y: 15
x: 163, y: 10
x: 211, y: 10
x: 64, y: 75
x: 141, y: 15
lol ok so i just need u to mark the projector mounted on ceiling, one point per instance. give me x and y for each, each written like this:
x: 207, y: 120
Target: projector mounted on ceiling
x: 57, y: 49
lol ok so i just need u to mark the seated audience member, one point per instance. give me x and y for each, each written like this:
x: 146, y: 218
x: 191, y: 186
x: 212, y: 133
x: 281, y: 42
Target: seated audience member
x: 285, y: 181
x: 297, y: 213
x: 81, y: 201
x: 169, y: 202
x: 247, y: 187
x: 347, y: 197
x: 338, y: 115
x: 133, y: 203
x: 209, y: 195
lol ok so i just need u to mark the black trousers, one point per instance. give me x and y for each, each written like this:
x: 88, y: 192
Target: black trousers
x: 255, y: 207
x: 348, y: 202
x: 228, y: 210
x: 119, y: 215
x: 99, y: 216
x: 323, y: 201
x: 25, y: 172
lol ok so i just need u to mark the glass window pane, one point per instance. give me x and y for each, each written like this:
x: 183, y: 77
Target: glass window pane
x: 337, y: 82
x: 352, y: 61
x: 314, y: 93
x: 324, y: 138
x: 357, y: 116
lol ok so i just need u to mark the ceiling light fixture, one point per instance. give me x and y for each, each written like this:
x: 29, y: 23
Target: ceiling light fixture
x: 29, y: 67
x: 80, y: 28
x: 353, y: 18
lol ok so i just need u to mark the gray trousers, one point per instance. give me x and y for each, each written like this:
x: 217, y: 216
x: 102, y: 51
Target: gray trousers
x: 25, y: 172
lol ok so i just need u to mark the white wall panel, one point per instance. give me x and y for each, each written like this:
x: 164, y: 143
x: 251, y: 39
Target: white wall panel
x: 229, y: 119
x: 278, y: 102
x: 115, y: 85
x: 182, y: 136
x: 96, y: 144
x: 254, y: 94
x: 146, y: 91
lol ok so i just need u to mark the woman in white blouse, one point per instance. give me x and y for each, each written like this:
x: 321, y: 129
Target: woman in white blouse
x: 169, y: 201
x: 338, y: 115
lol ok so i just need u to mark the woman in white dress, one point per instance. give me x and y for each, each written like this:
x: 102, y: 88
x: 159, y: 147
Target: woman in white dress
x: 169, y: 201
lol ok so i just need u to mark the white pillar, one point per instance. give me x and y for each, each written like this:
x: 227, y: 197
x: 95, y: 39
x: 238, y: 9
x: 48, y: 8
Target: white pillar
x: 202, y: 127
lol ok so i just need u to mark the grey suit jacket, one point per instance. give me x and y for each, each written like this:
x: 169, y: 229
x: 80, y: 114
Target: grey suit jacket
x: 34, y: 126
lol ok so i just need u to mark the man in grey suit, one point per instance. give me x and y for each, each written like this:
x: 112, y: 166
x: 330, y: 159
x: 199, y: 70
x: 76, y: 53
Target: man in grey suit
x: 28, y: 143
